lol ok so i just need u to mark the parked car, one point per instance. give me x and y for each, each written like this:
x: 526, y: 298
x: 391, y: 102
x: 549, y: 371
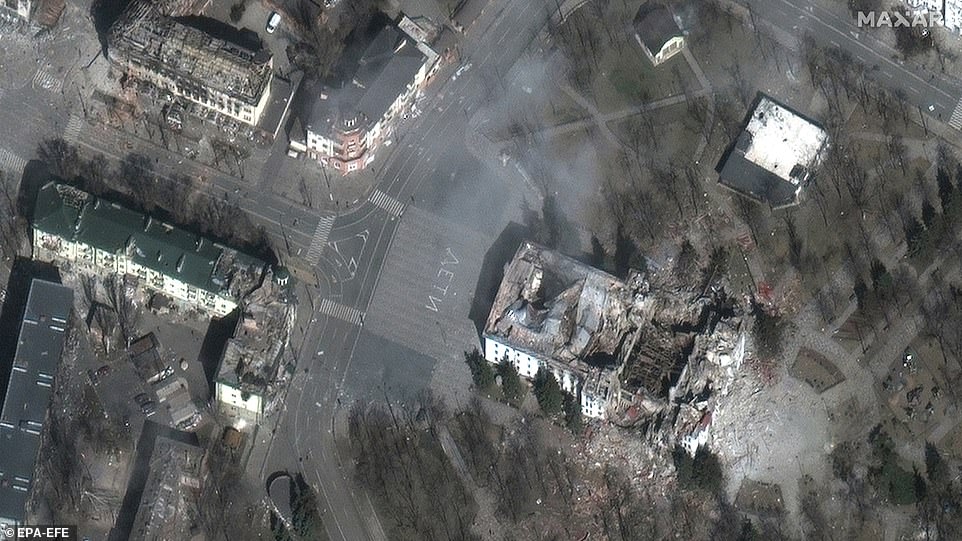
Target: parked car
x: 273, y: 21
x: 142, y: 399
x: 148, y: 408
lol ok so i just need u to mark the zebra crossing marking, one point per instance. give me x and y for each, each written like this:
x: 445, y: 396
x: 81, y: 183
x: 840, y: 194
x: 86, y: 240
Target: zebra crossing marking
x: 342, y: 312
x: 386, y: 202
x: 47, y: 81
x: 319, y: 240
x: 11, y: 162
x: 74, y: 126
x: 956, y: 120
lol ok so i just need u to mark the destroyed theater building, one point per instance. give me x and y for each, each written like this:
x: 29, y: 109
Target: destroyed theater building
x: 776, y: 154
x: 174, y: 56
x: 555, y: 313
x: 347, y: 125
x: 36, y: 360
x: 101, y: 237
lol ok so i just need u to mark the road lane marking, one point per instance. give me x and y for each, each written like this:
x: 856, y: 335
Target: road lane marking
x: 345, y: 313
x: 386, y: 202
x: 11, y: 162
x: 74, y: 126
x: 956, y: 120
x: 324, y: 226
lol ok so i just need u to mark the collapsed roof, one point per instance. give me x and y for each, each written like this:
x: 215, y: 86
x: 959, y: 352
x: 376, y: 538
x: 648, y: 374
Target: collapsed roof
x: 193, y: 57
x: 555, y: 307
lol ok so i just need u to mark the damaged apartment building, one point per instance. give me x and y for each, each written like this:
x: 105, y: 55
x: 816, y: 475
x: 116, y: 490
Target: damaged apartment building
x: 103, y: 238
x: 176, y: 56
x: 347, y: 124
x: 623, y: 347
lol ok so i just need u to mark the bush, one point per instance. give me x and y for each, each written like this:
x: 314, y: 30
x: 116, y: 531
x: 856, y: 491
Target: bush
x: 481, y: 371
x: 573, y: 419
x: 549, y: 393
x: 511, y: 384
x: 237, y: 11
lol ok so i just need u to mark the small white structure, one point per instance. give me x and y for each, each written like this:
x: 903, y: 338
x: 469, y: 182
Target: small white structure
x: 949, y: 11
x: 18, y: 8
x: 657, y: 32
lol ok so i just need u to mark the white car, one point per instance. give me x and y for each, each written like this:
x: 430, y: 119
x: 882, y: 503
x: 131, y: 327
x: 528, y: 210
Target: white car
x: 273, y: 21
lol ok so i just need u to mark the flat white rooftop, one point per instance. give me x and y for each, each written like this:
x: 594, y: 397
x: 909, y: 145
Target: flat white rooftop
x: 783, y: 142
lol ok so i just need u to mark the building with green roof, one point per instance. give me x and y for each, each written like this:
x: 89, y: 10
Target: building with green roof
x: 103, y: 237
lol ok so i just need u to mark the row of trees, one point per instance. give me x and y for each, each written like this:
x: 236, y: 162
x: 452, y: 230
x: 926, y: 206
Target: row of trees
x: 136, y: 184
x: 399, y: 460
x: 556, y: 404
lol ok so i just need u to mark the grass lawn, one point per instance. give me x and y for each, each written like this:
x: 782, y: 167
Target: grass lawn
x: 626, y: 79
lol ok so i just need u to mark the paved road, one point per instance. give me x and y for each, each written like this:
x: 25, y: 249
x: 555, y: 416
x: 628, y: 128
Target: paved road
x: 425, y: 162
x: 836, y: 28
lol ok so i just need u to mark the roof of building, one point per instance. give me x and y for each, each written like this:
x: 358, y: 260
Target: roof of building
x: 251, y: 357
x: 555, y: 307
x: 383, y: 73
x: 145, y: 36
x: 72, y: 214
x: 655, y: 25
x: 27, y: 397
x: 775, y: 154
x: 161, y: 488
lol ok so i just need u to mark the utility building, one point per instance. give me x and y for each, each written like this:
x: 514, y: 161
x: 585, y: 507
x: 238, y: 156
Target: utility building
x: 35, y: 363
x: 776, y: 154
x: 657, y: 32
x: 186, y: 61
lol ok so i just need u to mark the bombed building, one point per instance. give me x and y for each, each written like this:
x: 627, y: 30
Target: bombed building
x: 552, y: 312
x: 104, y: 238
x: 625, y: 348
x: 174, y: 56
x: 776, y: 154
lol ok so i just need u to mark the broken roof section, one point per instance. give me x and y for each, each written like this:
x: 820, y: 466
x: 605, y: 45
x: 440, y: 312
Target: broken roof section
x: 164, y: 44
x: 775, y: 155
x: 72, y: 214
x: 555, y: 307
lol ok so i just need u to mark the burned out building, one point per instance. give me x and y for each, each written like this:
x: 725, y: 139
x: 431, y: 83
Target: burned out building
x: 552, y: 312
x: 249, y: 369
x: 176, y: 57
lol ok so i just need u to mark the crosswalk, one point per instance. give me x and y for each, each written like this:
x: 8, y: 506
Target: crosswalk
x: 10, y: 162
x: 47, y: 81
x: 386, y: 202
x: 71, y: 132
x: 956, y: 120
x: 319, y: 240
x: 344, y: 313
